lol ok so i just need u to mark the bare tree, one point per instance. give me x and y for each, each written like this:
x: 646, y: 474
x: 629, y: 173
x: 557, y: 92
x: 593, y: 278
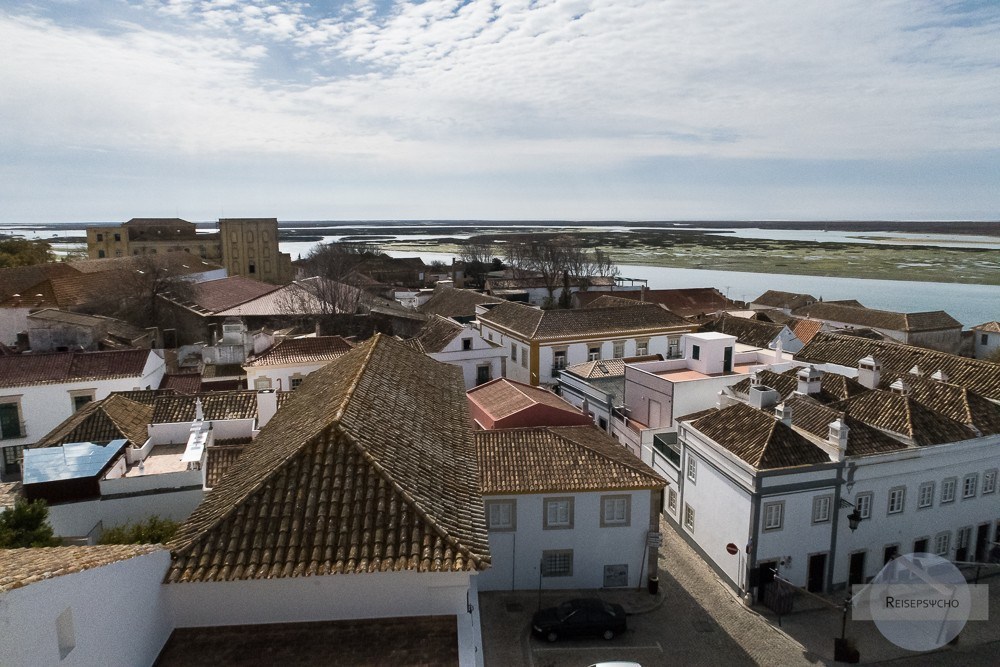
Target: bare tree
x: 136, y: 291
x: 558, y: 261
x: 478, y: 255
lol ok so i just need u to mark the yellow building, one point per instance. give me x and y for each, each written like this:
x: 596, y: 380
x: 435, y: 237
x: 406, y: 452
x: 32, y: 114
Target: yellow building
x: 250, y: 248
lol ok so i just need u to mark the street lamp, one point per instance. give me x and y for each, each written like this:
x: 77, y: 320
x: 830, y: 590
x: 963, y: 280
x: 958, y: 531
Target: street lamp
x: 854, y: 518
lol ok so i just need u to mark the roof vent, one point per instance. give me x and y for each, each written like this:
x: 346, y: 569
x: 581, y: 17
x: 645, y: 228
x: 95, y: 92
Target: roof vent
x: 940, y: 376
x: 900, y: 387
x: 838, y: 438
x: 784, y: 413
x: 916, y: 371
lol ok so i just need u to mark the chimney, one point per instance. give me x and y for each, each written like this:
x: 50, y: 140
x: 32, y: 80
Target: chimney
x: 809, y: 381
x: 869, y: 372
x: 199, y: 411
x: 762, y: 397
x: 940, y: 376
x: 838, y: 438
x: 724, y: 400
x: 585, y: 408
x: 900, y: 387
x: 777, y: 351
x: 916, y: 371
x: 784, y: 413
x: 754, y: 379
x: 317, y: 329
x: 267, y: 405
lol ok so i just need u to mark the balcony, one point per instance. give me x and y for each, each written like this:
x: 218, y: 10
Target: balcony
x: 665, y: 444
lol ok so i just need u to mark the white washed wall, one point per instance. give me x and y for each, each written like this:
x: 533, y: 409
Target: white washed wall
x: 79, y: 519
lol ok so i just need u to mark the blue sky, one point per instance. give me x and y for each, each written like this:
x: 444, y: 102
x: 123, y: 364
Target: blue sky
x: 499, y: 109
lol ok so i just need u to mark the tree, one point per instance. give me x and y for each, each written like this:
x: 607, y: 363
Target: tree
x: 479, y: 255
x: 22, y: 252
x: 153, y: 530
x: 26, y: 525
x: 558, y: 261
x: 135, y: 292
x: 336, y: 265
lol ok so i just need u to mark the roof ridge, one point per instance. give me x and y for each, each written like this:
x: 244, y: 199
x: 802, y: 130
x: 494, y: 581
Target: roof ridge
x: 767, y: 441
x: 629, y: 466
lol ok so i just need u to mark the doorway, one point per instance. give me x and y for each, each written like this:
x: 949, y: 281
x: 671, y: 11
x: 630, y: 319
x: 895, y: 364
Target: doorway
x: 962, y: 550
x: 856, y: 573
x: 764, y: 576
x: 817, y: 573
x: 920, y: 546
x: 982, y: 542
x: 890, y: 552
x: 727, y: 360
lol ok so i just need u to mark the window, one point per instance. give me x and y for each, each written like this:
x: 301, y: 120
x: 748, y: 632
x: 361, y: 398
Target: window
x: 594, y: 353
x: 692, y: 469
x: 501, y: 514
x: 948, y: 490
x: 896, y: 498
x: 969, y: 485
x: 559, y: 360
x: 294, y: 383
x: 118, y: 237
x: 482, y: 374
x: 989, y: 481
x: 252, y: 268
x: 821, y: 509
x: 466, y: 343
x: 641, y: 347
x: 118, y: 253
x: 12, y: 457
x: 672, y: 501
x: 262, y: 383
x: 10, y: 420
x: 942, y: 544
x: 81, y: 397
x: 65, y: 634
x: 925, y: 495
x: 557, y: 563
x: 513, y: 352
x: 558, y: 513
x: 100, y: 254
x: 673, y: 347
x: 984, y: 339
x: 696, y: 351
x: 688, y: 517
x: 615, y: 511
x: 863, y: 503
x: 619, y: 349
x: 774, y: 514
x: 100, y: 237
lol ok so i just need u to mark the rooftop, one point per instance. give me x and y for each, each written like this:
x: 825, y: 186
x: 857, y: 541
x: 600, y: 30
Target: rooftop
x: 115, y: 417
x: 502, y: 397
x: 452, y: 302
x: 688, y: 374
x: 21, y: 567
x: 778, y: 299
x: 879, y: 319
x: 749, y: 332
x: 216, y: 296
x: 436, y: 334
x: 57, y: 367
x: 301, y: 351
x: 71, y: 461
x: 533, y: 323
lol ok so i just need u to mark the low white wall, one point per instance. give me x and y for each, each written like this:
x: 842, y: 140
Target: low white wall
x: 78, y: 519
x: 118, y: 611
x: 167, y: 480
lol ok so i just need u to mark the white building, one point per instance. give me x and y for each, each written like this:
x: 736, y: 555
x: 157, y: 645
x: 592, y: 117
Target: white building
x: 39, y: 391
x: 568, y: 500
x: 445, y: 340
x: 286, y: 364
x: 540, y: 343
x: 987, y: 340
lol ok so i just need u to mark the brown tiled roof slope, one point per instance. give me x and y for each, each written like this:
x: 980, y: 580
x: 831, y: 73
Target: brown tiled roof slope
x: 220, y: 460
x: 558, y: 459
x: 862, y: 439
x: 758, y: 438
x: 173, y: 408
x: 990, y: 327
x: 177, y: 263
x: 749, y: 332
x: 301, y: 351
x: 529, y: 322
x: 879, y: 319
x: 833, y: 386
x: 686, y: 302
x: 436, y: 334
x: 905, y: 416
x: 18, y: 370
x: 453, y: 302
x: 982, y: 377
x: 103, y: 421
x: 182, y: 383
x: 604, y: 368
x: 213, y: 296
x: 804, y: 330
x: 951, y: 400
x: 369, y: 467
x: 502, y: 397
x: 144, y: 396
x: 613, y: 301
x: 778, y: 299
x: 20, y: 279
x: 21, y: 567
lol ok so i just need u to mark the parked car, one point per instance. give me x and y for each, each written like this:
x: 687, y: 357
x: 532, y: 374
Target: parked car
x: 581, y: 617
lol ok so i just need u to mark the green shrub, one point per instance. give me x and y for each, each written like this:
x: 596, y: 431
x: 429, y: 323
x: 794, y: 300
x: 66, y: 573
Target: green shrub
x: 26, y: 525
x: 152, y: 531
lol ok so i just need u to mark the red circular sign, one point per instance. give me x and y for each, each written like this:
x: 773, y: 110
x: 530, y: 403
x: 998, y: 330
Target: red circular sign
x: 732, y: 548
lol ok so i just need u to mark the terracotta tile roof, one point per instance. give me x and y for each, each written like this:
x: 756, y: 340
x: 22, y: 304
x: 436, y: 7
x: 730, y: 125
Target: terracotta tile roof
x: 758, y: 438
x: 778, y: 299
x: 369, y: 467
x: 215, y: 296
x: 436, y: 334
x: 452, y: 302
x: 502, y: 397
x: 687, y: 302
x: 182, y: 383
x: 21, y: 567
x: 749, y: 332
x: 603, y: 368
x: 879, y: 319
x: 177, y: 263
x: 301, y: 351
x: 20, y: 279
x: 804, y: 330
x: 220, y: 459
x: 174, y: 408
x: 605, y: 300
x: 982, y: 377
x: 776, y: 316
x: 990, y: 327
x: 538, y: 282
x: 558, y: 459
x: 951, y: 400
x: 144, y: 396
x: 833, y: 386
x: 57, y: 367
x: 905, y: 416
x: 532, y: 323
x: 102, y: 421
x: 862, y: 439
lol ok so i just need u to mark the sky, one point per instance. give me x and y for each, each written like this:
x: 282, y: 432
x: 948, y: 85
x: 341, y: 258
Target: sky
x: 499, y: 109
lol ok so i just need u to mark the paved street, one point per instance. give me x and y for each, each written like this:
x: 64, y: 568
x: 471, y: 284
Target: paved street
x: 696, y: 620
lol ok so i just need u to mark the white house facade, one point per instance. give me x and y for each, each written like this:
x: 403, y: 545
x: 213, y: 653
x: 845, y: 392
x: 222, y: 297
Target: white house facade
x: 445, y: 340
x: 986, y: 340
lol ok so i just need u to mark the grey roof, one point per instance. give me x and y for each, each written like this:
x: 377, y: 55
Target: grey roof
x: 533, y: 323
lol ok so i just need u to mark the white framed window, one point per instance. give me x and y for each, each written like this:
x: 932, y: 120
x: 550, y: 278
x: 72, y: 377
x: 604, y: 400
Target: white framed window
x: 466, y: 343
x: 692, y: 469
x: 969, y: 485
x: 672, y: 501
x: 80, y: 397
x: 688, y: 517
x: 501, y: 514
x: 696, y: 351
x: 863, y: 503
x: 925, y: 495
x: 559, y: 359
x: 558, y: 513
x: 615, y: 510
x: 774, y: 516
x: 641, y: 347
x: 942, y: 544
x: 294, y: 383
x: 262, y: 383
x: 897, y: 497
x: 948, y: 490
x: 594, y: 353
x: 990, y: 481
x: 619, y: 349
x: 513, y: 352
x: 821, y: 509
x: 557, y: 563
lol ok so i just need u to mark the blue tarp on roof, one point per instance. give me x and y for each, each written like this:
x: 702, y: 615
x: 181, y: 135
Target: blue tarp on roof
x: 72, y: 461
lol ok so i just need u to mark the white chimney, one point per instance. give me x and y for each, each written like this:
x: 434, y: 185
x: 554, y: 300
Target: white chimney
x: 838, y: 438
x: 809, y: 380
x: 585, y: 408
x: 267, y: 405
x: 783, y: 413
x: 869, y: 372
x: 900, y: 387
x: 916, y: 371
x: 777, y: 351
x: 754, y: 379
x: 199, y: 412
x: 762, y: 397
x: 940, y: 376
x: 724, y: 400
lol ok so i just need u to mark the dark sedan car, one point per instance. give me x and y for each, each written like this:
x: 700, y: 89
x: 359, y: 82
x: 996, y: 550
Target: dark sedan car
x: 576, y: 618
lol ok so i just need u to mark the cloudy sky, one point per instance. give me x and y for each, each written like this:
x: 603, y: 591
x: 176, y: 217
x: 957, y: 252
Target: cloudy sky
x: 499, y: 109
